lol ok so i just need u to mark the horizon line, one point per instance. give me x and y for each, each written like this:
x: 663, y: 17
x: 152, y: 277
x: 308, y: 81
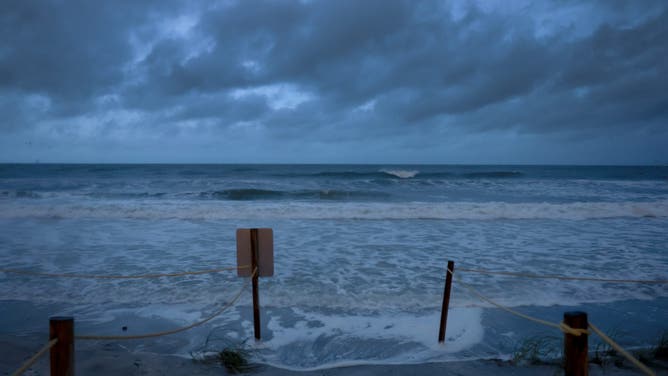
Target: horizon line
x: 333, y: 164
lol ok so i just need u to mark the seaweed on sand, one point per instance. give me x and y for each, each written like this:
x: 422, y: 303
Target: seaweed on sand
x: 234, y: 355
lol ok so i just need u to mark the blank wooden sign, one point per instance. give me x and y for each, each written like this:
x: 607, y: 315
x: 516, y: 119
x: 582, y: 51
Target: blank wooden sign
x: 265, y: 237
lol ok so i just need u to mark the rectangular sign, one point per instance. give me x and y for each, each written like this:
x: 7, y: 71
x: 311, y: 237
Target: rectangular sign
x: 265, y: 257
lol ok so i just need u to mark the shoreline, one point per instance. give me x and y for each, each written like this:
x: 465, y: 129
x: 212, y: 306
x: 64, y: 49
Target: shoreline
x: 113, y: 359
x: 169, y: 355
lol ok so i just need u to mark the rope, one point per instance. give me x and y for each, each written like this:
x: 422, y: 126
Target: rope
x: 561, y: 326
x: 35, y: 357
x: 173, y: 331
x: 567, y: 278
x: 92, y: 276
x: 620, y: 350
x: 572, y: 331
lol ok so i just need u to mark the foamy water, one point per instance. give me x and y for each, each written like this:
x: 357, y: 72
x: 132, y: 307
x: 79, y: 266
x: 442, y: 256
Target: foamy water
x: 359, y: 276
x: 307, y: 210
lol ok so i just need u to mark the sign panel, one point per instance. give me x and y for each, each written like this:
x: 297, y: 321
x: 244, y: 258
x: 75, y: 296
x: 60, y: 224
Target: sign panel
x: 265, y: 257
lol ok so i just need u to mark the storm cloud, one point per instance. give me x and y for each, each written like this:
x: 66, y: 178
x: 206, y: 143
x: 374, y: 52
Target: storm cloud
x: 334, y: 81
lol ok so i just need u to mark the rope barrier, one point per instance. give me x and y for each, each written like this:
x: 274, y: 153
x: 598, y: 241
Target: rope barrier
x: 92, y: 276
x: 620, y: 350
x: 561, y: 326
x: 29, y: 363
x: 172, y: 331
x: 567, y: 278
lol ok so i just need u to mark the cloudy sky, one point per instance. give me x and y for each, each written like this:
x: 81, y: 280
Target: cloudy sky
x: 334, y: 81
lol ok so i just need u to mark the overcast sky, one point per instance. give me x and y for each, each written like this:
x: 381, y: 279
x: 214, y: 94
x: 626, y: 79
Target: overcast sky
x: 334, y: 81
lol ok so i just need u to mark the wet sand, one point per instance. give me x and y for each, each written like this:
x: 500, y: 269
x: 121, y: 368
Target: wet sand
x: 109, y: 358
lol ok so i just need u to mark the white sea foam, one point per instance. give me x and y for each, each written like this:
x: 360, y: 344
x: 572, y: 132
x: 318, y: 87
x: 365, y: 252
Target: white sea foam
x: 181, y: 313
x: 359, y: 273
x: 400, y: 338
x: 403, y: 174
x: 373, y: 210
x: 344, y: 292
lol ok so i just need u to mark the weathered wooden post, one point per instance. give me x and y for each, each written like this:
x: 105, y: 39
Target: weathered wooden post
x: 446, y: 300
x: 62, y: 353
x: 576, y: 347
x: 255, y: 276
x: 255, y: 248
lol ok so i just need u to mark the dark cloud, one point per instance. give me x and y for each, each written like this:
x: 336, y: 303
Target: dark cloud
x: 68, y: 50
x: 389, y: 72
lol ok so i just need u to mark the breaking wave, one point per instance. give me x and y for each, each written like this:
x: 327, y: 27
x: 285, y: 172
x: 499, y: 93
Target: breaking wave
x: 403, y: 174
x: 251, y: 194
x: 241, y: 194
x: 389, y: 173
x: 338, y: 210
x: 381, y: 174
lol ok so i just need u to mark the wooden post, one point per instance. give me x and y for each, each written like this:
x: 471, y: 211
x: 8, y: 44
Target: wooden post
x: 256, y: 296
x: 62, y: 353
x: 576, y: 347
x: 446, y: 300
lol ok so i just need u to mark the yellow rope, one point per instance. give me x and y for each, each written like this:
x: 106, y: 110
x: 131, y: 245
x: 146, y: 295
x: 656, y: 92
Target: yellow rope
x: 561, y: 326
x: 567, y: 278
x: 167, y: 332
x: 35, y: 357
x: 572, y: 331
x: 92, y: 276
x: 620, y: 350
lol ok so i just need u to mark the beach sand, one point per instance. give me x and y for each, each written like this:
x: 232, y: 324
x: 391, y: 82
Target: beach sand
x: 112, y: 358
x: 152, y: 357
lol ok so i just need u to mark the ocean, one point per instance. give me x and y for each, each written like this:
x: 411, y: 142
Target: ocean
x: 360, y: 255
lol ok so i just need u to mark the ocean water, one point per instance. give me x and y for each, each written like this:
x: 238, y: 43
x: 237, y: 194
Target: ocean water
x: 360, y: 254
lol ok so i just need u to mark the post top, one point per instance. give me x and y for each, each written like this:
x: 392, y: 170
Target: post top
x: 574, y: 314
x: 61, y: 318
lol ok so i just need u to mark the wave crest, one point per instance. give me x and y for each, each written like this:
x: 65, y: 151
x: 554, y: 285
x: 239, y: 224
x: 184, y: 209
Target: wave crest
x: 346, y: 210
x: 252, y: 194
x: 402, y: 174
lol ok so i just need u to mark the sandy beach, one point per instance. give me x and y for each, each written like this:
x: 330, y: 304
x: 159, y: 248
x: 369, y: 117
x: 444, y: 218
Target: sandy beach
x: 113, y: 358
x: 110, y: 362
